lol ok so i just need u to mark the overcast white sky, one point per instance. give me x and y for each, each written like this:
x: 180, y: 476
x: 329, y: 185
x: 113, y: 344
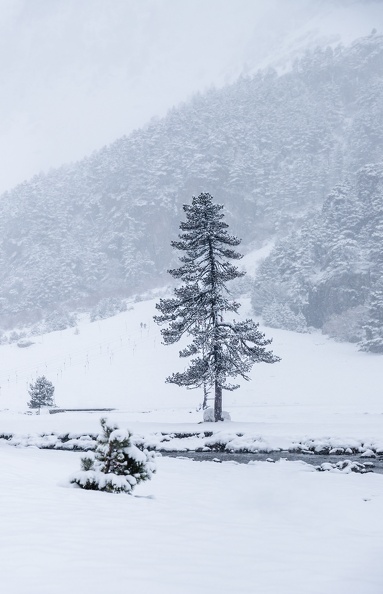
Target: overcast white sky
x: 77, y: 74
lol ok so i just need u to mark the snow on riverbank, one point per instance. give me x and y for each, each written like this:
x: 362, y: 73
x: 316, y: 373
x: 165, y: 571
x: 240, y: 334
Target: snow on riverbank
x: 196, y: 527
x: 205, y: 440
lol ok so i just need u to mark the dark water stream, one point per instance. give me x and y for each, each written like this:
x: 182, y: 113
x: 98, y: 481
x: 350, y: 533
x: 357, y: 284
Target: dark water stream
x: 314, y: 459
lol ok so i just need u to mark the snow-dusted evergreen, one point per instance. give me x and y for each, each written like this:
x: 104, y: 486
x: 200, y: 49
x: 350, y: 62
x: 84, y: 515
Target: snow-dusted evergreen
x: 106, y: 308
x: 331, y: 269
x: 280, y: 315
x: 373, y: 329
x: 202, y: 308
x: 117, y: 465
x: 41, y: 393
x: 373, y: 179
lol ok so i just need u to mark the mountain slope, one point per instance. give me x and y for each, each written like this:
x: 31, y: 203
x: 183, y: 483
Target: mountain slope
x: 269, y: 147
x: 331, y: 270
x: 75, y: 76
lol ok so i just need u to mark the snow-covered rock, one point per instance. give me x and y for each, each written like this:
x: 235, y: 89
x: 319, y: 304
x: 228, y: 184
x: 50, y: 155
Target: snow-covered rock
x: 208, y: 415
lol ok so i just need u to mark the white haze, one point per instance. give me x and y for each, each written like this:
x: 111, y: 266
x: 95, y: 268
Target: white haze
x: 75, y: 75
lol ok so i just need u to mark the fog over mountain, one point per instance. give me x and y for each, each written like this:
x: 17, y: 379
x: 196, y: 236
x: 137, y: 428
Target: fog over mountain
x: 77, y: 75
x: 270, y: 147
x: 275, y: 108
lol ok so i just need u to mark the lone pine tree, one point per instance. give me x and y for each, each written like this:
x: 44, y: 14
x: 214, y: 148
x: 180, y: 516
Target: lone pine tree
x: 222, y: 347
x: 41, y: 393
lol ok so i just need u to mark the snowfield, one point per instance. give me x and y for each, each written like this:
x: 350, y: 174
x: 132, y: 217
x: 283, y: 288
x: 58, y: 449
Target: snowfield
x: 196, y: 527
x: 321, y: 389
x: 202, y: 527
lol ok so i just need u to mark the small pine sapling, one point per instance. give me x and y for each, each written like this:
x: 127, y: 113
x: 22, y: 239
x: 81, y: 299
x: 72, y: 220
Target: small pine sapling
x: 41, y: 393
x: 117, y: 465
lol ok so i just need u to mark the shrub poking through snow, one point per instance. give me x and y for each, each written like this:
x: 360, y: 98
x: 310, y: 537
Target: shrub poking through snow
x: 117, y: 465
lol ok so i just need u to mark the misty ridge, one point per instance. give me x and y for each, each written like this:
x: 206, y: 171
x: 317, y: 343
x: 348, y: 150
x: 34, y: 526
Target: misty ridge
x: 295, y: 158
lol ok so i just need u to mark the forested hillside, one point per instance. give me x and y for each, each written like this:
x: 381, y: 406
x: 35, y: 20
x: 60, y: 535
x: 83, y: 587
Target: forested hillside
x: 329, y: 273
x: 269, y: 147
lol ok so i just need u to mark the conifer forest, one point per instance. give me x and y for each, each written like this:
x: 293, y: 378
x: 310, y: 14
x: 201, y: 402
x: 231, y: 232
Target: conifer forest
x: 286, y: 154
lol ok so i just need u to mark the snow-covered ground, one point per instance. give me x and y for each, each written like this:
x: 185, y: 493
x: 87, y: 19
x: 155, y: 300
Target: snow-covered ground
x: 321, y: 389
x: 278, y: 528
x: 196, y: 527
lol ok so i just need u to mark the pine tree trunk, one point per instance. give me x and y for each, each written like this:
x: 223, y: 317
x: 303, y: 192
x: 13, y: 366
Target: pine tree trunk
x: 205, y: 395
x: 217, y: 403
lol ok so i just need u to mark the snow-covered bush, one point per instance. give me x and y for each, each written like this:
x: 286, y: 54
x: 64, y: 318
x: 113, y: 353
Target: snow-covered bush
x: 266, y: 292
x: 347, y: 326
x: 106, y: 308
x: 280, y: 315
x: 54, y: 321
x: 117, y: 465
x: 58, y: 320
x: 41, y: 393
x: 16, y: 336
x: 24, y: 343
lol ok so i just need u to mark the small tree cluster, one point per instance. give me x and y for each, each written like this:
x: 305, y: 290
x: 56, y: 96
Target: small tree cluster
x: 347, y: 326
x: 41, y: 393
x: 117, y: 465
x: 373, y: 341
x: 58, y: 319
x: 106, y: 308
x: 280, y: 315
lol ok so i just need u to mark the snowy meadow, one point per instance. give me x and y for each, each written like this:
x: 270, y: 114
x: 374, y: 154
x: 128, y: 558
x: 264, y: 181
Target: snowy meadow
x: 206, y: 527
x: 279, y: 528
